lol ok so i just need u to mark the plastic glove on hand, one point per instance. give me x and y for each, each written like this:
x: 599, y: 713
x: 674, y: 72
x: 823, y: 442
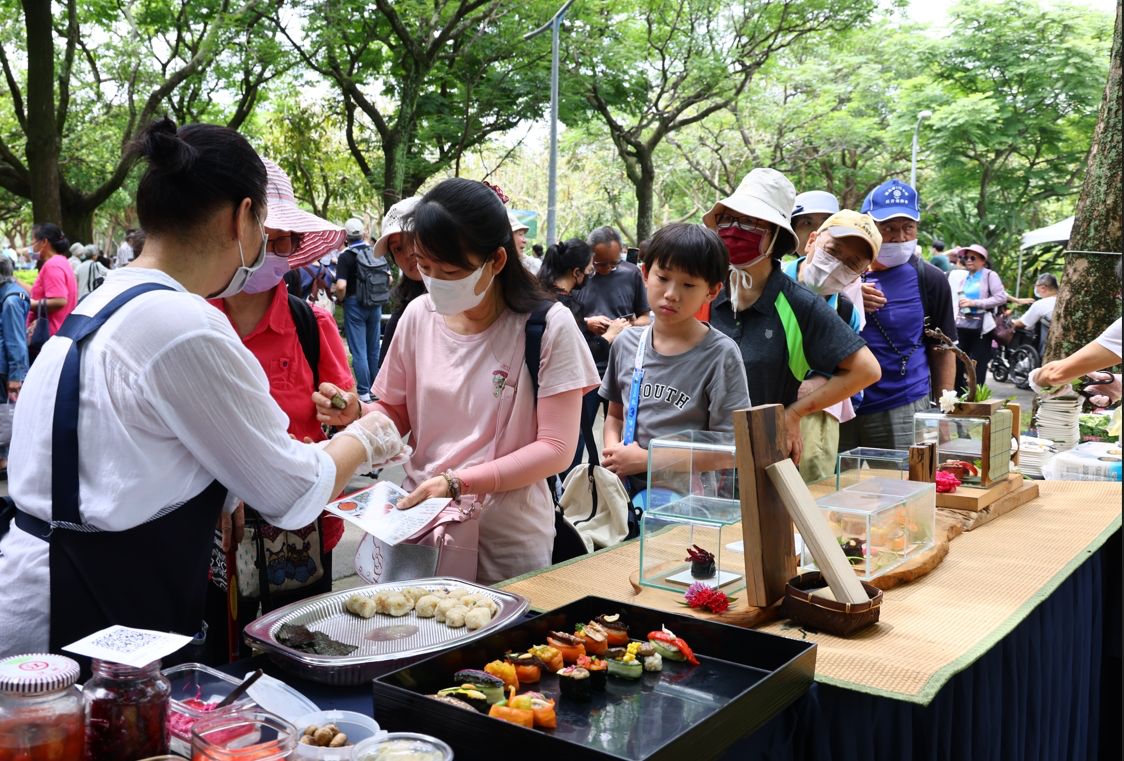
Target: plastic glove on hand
x: 380, y: 439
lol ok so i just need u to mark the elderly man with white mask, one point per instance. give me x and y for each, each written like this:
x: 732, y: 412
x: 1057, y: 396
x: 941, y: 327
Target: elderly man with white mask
x: 776, y: 322
x: 902, y: 295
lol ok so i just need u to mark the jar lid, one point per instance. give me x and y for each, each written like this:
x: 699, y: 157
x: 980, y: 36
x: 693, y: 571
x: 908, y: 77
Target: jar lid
x: 37, y: 673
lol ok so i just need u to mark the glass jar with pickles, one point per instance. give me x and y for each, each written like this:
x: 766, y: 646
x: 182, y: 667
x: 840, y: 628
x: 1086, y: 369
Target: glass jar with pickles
x: 126, y: 711
x: 40, y: 709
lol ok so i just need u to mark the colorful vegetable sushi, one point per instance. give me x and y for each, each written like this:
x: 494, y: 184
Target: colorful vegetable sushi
x: 467, y: 694
x: 570, y: 646
x: 671, y: 647
x: 594, y: 638
x: 524, y: 717
x: 598, y: 671
x: 527, y: 667
x: 489, y: 684
x: 550, y: 657
x: 628, y: 666
x: 615, y: 629
x: 574, y: 682
x: 540, y: 705
x: 504, y: 671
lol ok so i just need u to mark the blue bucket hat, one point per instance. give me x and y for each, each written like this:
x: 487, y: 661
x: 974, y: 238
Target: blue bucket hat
x: 891, y: 199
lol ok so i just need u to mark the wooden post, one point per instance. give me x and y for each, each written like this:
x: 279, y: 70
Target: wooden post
x: 770, y: 555
x: 1016, y: 428
x: 918, y: 465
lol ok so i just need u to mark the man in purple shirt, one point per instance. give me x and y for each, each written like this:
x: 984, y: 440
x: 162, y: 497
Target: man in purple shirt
x: 902, y: 295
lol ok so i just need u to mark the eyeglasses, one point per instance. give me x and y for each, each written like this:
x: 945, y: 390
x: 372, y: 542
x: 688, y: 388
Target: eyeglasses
x: 605, y: 266
x: 287, y: 244
x: 971, y: 258
x: 725, y: 220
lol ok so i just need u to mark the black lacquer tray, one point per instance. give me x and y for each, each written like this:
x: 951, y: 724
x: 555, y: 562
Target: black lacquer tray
x: 744, y: 678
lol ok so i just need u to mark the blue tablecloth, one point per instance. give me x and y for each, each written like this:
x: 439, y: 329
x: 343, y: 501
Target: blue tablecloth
x: 1050, y: 690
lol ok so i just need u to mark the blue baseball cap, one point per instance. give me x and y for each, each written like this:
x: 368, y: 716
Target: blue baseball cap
x: 891, y: 199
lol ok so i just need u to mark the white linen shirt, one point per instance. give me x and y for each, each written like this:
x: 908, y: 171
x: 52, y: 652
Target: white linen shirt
x: 170, y: 401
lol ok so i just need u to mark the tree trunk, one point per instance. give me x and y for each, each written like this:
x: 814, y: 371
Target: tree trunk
x: 1086, y: 302
x: 645, y: 196
x: 78, y: 223
x: 42, y: 131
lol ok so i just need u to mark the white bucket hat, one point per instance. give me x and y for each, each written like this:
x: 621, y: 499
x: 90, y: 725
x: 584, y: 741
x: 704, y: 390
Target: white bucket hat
x: 516, y: 225
x: 765, y: 194
x: 815, y: 202
x: 318, y: 236
x: 392, y: 222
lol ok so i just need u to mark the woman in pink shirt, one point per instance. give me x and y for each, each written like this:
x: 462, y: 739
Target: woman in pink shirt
x: 56, y: 284
x: 456, y: 381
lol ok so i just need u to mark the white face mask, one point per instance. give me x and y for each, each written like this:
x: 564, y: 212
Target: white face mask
x: 454, y: 296
x: 242, y: 274
x: 893, y: 254
x: 825, y: 274
x: 268, y: 275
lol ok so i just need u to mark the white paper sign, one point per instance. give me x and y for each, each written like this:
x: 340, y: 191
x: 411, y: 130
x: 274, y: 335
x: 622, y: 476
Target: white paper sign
x: 375, y: 511
x: 129, y: 647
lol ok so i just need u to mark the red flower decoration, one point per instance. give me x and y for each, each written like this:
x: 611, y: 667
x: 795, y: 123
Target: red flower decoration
x: 497, y: 190
x: 946, y: 482
x: 710, y: 599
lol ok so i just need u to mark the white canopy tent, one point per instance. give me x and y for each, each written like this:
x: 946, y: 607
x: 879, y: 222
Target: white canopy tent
x: 1055, y: 233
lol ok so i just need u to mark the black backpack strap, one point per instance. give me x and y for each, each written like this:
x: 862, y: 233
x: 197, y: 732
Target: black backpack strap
x: 308, y: 334
x: 536, y: 327
x: 917, y: 263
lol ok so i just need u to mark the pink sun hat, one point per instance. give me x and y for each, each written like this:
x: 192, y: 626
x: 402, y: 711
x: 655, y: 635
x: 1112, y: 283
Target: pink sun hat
x: 318, y: 236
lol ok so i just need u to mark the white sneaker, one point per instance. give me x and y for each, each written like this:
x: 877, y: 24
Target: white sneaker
x: 365, y: 398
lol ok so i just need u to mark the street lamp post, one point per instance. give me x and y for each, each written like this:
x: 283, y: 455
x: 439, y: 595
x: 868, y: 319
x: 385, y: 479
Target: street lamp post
x: 554, y: 25
x: 913, y: 162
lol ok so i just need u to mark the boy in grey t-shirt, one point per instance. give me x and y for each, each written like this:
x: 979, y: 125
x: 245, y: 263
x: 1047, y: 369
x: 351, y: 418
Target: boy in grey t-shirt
x: 693, y: 376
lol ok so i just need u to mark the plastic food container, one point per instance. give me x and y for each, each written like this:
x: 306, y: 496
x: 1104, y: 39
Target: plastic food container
x: 403, y: 746
x: 196, y: 689
x: 243, y: 736
x: 40, y: 708
x: 356, y: 726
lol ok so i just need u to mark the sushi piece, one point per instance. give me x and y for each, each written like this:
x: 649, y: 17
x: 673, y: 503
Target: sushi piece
x: 454, y: 616
x: 541, y: 706
x: 594, y: 638
x: 449, y: 700
x: 653, y: 662
x: 671, y: 647
x: 478, y: 618
x: 598, y: 671
x: 527, y: 668
x: 570, y: 646
x: 645, y: 650
x: 550, y: 657
x: 615, y: 629
x: 504, y: 671
x: 574, y: 682
x: 628, y: 666
x: 360, y: 605
x: 426, y: 606
x: 468, y: 694
x: 524, y: 717
x: 489, y: 684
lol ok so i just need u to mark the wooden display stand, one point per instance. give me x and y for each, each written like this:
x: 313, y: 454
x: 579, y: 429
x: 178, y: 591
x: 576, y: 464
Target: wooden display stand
x: 770, y: 554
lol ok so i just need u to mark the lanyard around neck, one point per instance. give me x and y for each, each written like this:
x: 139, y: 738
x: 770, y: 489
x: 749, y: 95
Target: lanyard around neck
x: 634, y: 390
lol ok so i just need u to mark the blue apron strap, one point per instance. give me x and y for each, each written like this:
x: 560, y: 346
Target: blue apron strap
x: 64, y: 428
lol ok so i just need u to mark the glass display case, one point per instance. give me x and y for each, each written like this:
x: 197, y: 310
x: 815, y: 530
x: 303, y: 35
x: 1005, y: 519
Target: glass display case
x: 857, y: 464
x: 692, y: 514
x: 880, y: 523
x: 976, y: 448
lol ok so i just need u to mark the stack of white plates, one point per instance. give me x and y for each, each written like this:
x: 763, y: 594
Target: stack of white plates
x: 1033, y: 454
x: 1058, y: 421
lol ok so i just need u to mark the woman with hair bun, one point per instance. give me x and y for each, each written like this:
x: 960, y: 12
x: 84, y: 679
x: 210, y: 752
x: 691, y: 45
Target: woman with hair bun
x: 145, y: 409
x: 565, y: 268
x: 456, y: 381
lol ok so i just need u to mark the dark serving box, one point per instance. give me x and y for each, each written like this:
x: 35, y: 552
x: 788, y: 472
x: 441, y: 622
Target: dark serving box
x: 744, y: 678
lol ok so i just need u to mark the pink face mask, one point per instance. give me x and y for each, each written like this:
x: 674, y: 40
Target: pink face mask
x: 743, y: 244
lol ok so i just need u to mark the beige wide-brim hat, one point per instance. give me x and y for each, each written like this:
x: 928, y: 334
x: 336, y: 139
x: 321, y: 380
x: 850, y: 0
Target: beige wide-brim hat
x: 394, y: 222
x: 852, y: 224
x: 765, y: 194
x: 318, y: 236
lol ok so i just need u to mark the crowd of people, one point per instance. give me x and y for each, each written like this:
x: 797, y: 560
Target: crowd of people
x: 200, y: 408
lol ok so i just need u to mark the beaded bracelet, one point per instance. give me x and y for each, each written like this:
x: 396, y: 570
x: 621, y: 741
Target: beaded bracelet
x: 454, y: 485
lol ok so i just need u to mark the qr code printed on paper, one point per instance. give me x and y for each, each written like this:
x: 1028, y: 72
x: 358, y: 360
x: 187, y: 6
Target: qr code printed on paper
x: 125, y: 640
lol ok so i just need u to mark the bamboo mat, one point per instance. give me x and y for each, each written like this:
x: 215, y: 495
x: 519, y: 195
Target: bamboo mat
x: 929, y: 630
